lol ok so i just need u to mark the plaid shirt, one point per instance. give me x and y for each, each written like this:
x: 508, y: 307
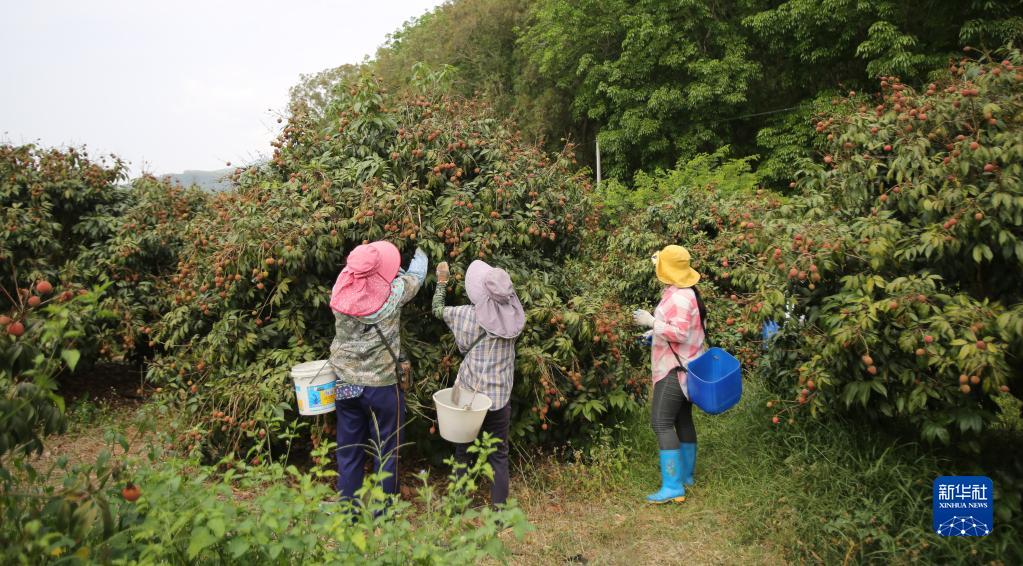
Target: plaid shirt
x: 490, y: 367
x: 676, y: 325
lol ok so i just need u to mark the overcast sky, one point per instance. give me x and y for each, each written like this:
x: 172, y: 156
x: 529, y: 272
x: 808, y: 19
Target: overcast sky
x: 175, y: 85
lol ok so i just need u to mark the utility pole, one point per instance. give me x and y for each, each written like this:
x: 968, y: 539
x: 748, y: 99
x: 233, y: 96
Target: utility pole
x: 598, y: 165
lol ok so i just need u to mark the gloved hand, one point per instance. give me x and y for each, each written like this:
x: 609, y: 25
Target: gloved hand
x: 647, y: 338
x: 442, y: 272
x: 643, y: 318
x: 418, y: 265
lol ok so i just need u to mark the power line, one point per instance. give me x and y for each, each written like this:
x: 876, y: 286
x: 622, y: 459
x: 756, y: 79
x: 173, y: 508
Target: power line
x: 753, y: 115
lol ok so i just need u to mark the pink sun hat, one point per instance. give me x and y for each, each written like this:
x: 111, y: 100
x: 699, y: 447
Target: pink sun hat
x: 365, y: 282
x: 498, y: 309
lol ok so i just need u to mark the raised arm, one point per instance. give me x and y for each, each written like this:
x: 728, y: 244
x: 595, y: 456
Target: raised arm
x: 414, y: 276
x: 441, y: 291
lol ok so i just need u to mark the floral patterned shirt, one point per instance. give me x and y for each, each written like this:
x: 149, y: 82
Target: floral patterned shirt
x: 357, y: 354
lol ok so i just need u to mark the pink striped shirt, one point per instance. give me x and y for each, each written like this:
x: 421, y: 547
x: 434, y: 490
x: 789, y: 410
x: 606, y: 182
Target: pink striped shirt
x: 676, y: 320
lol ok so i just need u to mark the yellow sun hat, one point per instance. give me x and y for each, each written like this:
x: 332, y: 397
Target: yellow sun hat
x: 673, y: 267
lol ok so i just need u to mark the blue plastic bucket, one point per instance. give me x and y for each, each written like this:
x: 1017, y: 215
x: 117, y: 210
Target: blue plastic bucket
x: 715, y: 381
x: 768, y: 331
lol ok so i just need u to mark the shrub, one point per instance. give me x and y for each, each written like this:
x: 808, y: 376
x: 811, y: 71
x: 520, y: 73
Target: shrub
x: 899, y: 258
x: 418, y: 168
x: 892, y: 270
x: 48, y: 199
x: 144, y: 235
x: 70, y: 225
x: 703, y: 204
x: 170, y: 511
x: 30, y: 365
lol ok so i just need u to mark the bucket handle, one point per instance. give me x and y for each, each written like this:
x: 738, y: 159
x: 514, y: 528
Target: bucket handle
x: 454, y: 396
x: 309, y: 379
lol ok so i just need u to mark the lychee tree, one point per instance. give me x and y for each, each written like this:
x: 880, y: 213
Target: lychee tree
x: 144, y: 236
x: 419, y: 168
x: 49, y: 199
x: 899, y: 260
x: 707, y: 204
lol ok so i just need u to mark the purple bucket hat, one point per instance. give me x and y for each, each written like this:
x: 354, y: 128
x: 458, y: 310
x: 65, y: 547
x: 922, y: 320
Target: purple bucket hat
x: 498, y: 309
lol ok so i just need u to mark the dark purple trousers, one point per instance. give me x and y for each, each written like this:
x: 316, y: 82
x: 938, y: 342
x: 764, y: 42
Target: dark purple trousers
x: 497, y: 424
x: 371, y: 422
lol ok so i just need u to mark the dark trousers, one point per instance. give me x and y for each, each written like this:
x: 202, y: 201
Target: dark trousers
x: 671, y: 414
x: 371, y: 422
x: 497, y: 424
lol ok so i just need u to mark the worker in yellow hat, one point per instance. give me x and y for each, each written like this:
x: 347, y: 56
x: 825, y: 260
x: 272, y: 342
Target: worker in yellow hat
x: 677, y: 333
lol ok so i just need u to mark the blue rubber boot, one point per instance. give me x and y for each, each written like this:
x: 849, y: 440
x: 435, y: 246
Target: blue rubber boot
x: 688, y: 461
x: 671, y: 479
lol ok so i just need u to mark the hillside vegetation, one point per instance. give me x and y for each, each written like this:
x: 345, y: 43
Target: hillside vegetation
x: 844, y: 170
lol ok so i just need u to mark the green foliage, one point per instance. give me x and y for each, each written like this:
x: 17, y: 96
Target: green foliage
x: 659, y: 81
x: 60, y: 509
x: 70, y: 226
x: 656, y: 76
x: 832, y: 491
x: 704, y: 206
x: 249, y: 296
x: 48, y: 200
x: 892, y: 270
x: 186, y: 514
x: 788, y: 138
x: 899, y: 257
x: 851, y: 41
x: 30, y: 365
x: 477, y: 37
x: 725, y: 176
x: 144, y: 237
x: 314, y: 91
x: 846, y: 489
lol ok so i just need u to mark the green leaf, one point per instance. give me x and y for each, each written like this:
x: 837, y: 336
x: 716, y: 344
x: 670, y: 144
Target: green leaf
x: 71, y: 357
x: 971, y: 422
x: 238, y: 546
x: 216, y: 524
x: 201, y: 538
x: 359, y: 540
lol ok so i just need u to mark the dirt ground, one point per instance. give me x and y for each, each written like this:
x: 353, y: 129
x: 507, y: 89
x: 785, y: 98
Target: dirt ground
x: 94, y: 407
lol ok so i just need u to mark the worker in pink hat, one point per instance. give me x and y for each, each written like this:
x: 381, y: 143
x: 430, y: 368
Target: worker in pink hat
x: 485, y: 333
x: 365, y: 354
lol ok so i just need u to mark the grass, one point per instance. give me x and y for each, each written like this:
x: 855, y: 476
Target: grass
x: 86, y: 413
x: 831, y: 493
x: 588, y: 506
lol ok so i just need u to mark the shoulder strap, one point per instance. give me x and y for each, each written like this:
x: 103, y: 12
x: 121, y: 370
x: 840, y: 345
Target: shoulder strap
x: 465, y: 356
x: 383, y: 339
x: 703, y: 324
x: 478, y: 339
x: 703, y: 315
x: 681, y: 366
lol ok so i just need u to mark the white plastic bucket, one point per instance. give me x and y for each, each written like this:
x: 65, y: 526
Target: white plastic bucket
x: 314, y: 387
x: 460, y: 424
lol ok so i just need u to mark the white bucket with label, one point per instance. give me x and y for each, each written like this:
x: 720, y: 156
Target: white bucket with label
x: 314, y: 387
x: 460, y: 423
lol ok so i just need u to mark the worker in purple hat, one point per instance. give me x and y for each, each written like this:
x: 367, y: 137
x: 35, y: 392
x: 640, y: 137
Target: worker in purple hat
x: 485, y: 333
x: 366, y: 300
